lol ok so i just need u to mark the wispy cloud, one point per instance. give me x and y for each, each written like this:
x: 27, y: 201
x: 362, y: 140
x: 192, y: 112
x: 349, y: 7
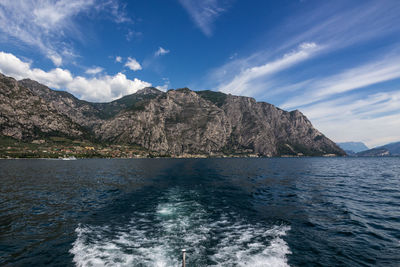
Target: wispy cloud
x: 339, y: 24
x: 161, y: 51
x: 45, y: 24
x: 244, y: 81
x: 359, y: 77
x: 99, y: 89
x: 204, y: 13
x: 373, y: 119
x: 133, y: 35
x: 115, y: 10
x: 132, y: 64
x: 332, y: 26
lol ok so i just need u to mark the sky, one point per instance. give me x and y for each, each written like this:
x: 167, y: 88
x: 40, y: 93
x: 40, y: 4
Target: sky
x: 338, y: 62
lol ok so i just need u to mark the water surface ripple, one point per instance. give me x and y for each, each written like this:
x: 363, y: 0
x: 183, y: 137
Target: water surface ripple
x: 225, y: 212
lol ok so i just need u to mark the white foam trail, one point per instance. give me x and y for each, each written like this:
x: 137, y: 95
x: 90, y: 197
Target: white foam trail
x: 244, y: 245
x: 156, y: 238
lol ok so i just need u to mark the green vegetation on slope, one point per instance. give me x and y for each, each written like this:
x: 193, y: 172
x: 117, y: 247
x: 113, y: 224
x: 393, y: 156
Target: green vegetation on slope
x: 217, y: 98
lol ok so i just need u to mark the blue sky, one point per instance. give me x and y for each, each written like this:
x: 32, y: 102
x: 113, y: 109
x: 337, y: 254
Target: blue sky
x: 336, y: 61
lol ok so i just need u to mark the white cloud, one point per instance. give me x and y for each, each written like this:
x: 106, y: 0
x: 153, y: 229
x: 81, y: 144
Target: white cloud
x: 164, y: 87
x: 94, y: 70
x: 45, y: 24
x: 204, y: 13
x: 245, y: 80
x: 99, y: 89
x: 161, y: 51
x: 118, y: 59
x: 105, y: 88
x: 133, y: 64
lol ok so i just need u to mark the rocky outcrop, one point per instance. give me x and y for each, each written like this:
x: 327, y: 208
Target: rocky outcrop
x: 178, y: 122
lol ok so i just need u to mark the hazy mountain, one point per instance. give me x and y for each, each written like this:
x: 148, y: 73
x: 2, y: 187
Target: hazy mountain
x: 178, y: 122
x: 352, y: 147
x: 392, y: 149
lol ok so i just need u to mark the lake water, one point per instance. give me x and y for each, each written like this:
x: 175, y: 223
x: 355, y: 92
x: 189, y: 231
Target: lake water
x: 224, y: 212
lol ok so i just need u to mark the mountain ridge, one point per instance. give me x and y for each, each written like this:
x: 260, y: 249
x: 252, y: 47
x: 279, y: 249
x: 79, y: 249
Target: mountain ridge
x: 174, y: 123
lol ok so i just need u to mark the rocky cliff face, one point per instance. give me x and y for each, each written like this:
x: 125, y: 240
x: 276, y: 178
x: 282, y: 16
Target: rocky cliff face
x: 185, y: 122
x: 175, y: 123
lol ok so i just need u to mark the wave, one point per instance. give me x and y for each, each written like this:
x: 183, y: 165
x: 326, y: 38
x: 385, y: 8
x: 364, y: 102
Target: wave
x: 155, y: 238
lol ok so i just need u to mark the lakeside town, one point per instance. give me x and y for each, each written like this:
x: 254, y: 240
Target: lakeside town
x: 58, y: 147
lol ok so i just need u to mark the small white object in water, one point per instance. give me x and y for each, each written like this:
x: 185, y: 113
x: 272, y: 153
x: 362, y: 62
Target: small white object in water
x: 69, y: 158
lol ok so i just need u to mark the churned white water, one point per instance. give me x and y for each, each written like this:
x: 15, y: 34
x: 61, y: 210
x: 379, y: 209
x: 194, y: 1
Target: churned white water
x: 156, y: 239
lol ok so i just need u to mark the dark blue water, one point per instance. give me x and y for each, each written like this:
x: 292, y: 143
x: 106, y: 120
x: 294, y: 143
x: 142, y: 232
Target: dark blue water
x: 225, y: 212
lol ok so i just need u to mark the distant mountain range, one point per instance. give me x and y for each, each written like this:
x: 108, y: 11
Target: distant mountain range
x: 174, y: 123
x: 352, y: 147
x: 392, y: 149
x: 359, y: 149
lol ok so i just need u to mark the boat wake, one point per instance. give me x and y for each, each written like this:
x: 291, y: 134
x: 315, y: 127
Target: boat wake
x: 156, y: 238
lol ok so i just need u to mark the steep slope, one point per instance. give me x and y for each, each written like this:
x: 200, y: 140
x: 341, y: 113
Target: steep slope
x: 25, y: 116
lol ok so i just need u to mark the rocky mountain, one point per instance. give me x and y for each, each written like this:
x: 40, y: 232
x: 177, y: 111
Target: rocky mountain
x: 175, y: 123
x: 353, y: 147
x: 26, y: 115
x: 392, y: 149
x: 82, y: 112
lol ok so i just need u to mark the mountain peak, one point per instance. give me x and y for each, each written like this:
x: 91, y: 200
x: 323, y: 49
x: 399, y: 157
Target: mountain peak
x: 149, y: 90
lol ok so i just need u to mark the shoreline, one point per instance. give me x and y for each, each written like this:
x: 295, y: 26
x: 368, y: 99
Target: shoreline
x: 190, y: 157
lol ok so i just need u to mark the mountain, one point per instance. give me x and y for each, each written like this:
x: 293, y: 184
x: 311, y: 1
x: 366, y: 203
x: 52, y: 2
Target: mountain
x: 24, y: 114
x: 352, y: 147
x: 392, y: 149
x: 82, y: 112
x: 175, y: 123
